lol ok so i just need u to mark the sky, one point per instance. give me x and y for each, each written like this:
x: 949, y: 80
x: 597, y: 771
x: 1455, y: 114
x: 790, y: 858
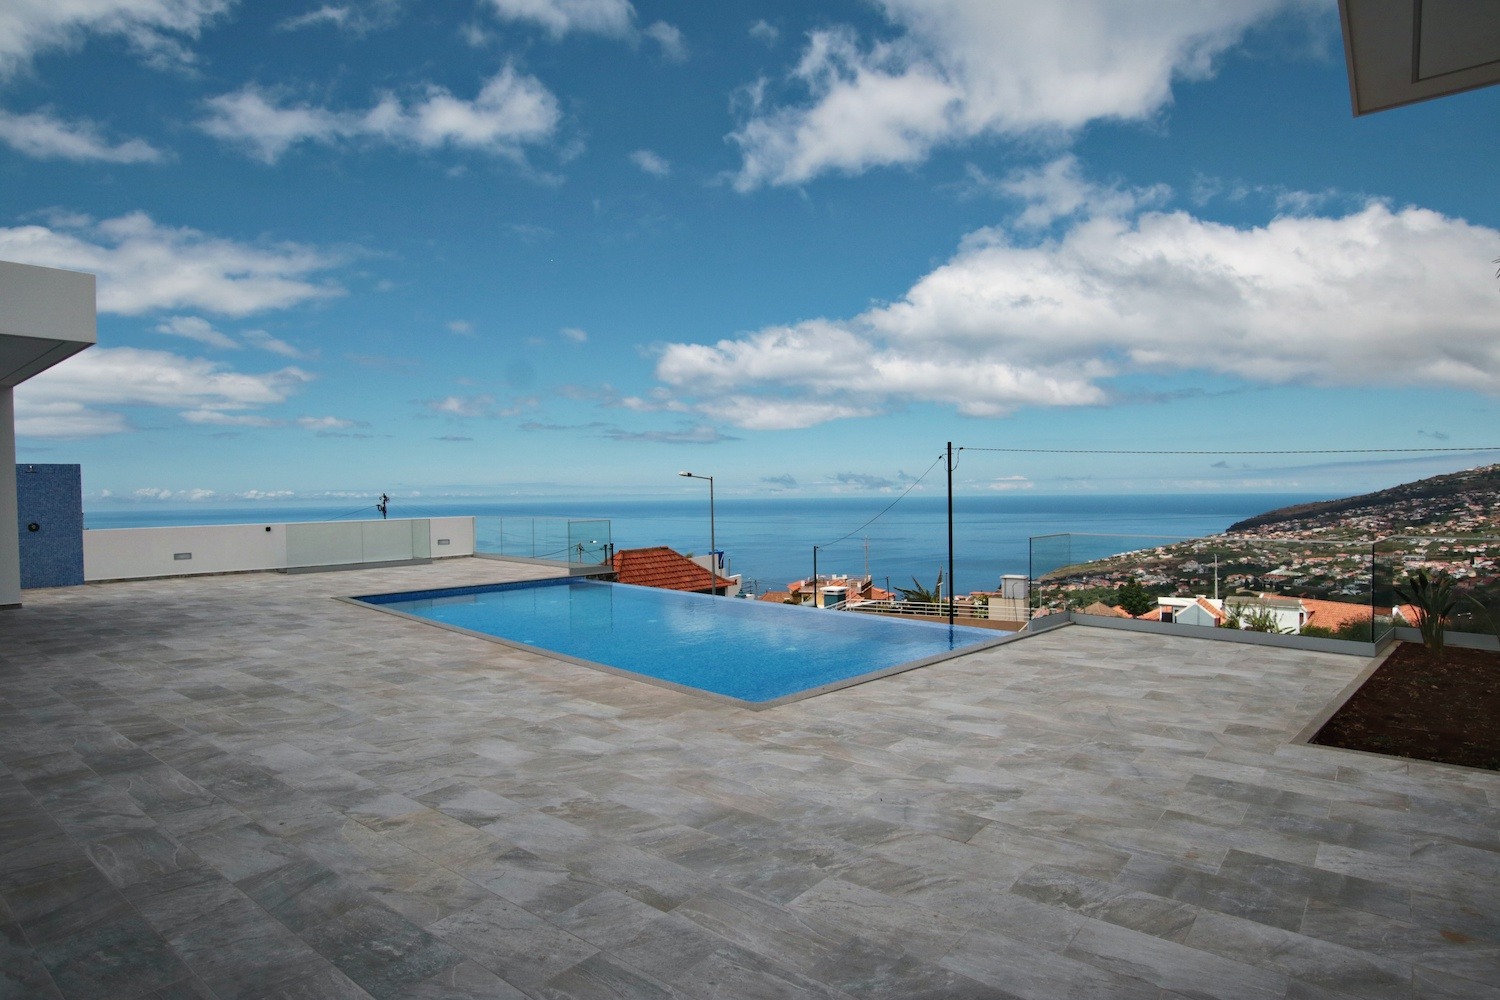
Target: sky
x: 569, y: 248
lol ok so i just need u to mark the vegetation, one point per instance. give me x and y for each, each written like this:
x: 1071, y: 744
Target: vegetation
x: 1134, y: 599
x: 918, y: 594
x: 1432, y: 595
x: 1258, y: 619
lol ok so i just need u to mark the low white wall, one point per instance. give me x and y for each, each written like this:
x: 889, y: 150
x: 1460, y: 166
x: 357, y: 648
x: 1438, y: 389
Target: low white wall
x: 139, y: 553
x: 451, y: 536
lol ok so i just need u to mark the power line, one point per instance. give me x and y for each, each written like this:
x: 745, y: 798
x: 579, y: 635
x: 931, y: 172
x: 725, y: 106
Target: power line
x: 1283, y: 451
x: 893, y: 503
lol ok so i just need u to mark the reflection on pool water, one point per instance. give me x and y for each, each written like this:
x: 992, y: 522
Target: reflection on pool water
x: 747, y: 650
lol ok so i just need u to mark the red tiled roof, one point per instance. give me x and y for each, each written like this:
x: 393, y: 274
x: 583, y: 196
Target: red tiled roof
x: 665, y: 568
x: 1334, y: 614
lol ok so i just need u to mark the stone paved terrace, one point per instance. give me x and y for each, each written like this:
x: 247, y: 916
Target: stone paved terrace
x: 238, y: 787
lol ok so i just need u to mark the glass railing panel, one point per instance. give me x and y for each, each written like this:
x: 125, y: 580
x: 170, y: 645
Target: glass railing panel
x: 1286, y: 585
x: 574, y: 542
x: 589, y: 542
x: 338, y: 543
x: 1471, y: 563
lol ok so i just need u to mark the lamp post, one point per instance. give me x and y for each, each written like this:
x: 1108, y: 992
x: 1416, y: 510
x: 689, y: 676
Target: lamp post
x: 713, y: 547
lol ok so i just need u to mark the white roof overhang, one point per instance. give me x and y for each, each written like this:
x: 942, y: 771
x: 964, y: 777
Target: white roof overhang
x: 46, y: 316
x: 1403, y: 51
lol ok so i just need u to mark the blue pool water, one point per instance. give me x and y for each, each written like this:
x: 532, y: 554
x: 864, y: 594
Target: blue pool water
x: 748, y: 650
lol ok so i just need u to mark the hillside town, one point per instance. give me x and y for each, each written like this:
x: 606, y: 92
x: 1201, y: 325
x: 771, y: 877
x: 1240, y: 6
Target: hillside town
x: 1351, y: 551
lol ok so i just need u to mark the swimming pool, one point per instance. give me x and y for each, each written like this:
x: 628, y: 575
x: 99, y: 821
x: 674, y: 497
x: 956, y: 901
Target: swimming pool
x: 749, y: 651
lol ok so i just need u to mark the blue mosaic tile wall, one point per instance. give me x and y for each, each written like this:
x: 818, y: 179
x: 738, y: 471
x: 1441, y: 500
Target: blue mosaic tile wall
x: 49, y: 501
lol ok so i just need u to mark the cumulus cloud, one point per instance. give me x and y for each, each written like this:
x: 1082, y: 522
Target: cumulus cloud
x: 511, y: 111
x: 158, y: 29
x: 1059, y: 190
x: 559, y: 17
x: 275, y: 345
x: 651, y: 163
x: 355, y: 18
x: 75, y: 398
x: 323, y: 424
x: 157, y: 493
x: 481, y: 405
x: 700, y: 434
x: 574, y: 334
x: 43, y: 136
x: 673, y: 45
x: 764, y: 32
x: 196, y: 328
x: 144, y: 266
x: 959, y: 70
x: 1377, y: 296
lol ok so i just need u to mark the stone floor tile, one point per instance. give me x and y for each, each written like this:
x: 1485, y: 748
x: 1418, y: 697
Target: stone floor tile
x: 521, y: 948
x: 951, y: 831
x: 122, y: 957
x: 381, y: 951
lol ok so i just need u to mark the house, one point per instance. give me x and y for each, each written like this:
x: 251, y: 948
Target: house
x: 668, y: 569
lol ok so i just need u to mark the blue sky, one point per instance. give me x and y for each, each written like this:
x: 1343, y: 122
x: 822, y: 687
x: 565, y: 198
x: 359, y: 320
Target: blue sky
x: 541, y: 248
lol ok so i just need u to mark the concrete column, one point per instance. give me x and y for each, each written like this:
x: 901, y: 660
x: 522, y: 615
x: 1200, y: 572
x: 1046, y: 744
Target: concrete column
x: 10, y: 541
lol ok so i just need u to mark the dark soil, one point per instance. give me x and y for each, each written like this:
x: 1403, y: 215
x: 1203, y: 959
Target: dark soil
x: 1444, y: 708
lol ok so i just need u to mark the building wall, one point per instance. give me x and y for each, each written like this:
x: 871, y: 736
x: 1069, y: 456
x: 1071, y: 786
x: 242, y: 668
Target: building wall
x: 10, y: 548
x: 140, y: 553
x: 49, y: 525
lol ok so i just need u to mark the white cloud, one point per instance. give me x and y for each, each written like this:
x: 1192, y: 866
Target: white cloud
x: 673, y: 45
x: 574, y: 334
x: 482, y: 405
x: 1058, y: 190
x: 143, y: 266
x: 63, y: 419
x: 218, y: 418
x: 958, y: 70
x: 651, y: 163
x: 327, y: 423
x: 159, y: 494
x: 559, y: 17
x: 356, y: 18
x: 462, y: 327
x: 764, y: 32
x: 196, y: 328
x: 70, y: 399
x: 45, y: 137
x: 1373, y: 297
x: 511, y: 110
x: 156, y: 28
x: 266, y: 342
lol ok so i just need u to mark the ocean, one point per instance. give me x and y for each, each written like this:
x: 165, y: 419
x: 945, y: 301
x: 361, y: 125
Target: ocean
x: 770, y: 541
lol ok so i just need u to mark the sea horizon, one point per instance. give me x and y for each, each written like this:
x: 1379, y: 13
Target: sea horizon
x: 770, y: 540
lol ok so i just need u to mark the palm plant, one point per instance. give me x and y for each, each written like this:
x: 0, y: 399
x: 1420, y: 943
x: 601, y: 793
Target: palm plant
x: 918, y: 594
x: 1434, y: 600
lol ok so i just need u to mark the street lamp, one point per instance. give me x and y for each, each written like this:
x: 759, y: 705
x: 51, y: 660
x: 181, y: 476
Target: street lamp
x: 713, y: 548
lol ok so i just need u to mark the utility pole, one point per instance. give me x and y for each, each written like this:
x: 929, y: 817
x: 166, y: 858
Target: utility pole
x: 950, y: 535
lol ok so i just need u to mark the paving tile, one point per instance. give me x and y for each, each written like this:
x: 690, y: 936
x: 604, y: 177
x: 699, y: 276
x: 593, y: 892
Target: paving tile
x: 1172, y: 966
x: 1309, y: 960
x: 381, y: 951
x: 122, y: 957
x: 1082, y: 814
x: 521, y: 948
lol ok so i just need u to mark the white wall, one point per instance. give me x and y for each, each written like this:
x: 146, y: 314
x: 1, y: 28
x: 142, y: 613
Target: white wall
x: 139, y: 553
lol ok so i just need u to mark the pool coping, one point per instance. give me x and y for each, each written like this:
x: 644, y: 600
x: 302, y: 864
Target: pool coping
x: 724, y: 699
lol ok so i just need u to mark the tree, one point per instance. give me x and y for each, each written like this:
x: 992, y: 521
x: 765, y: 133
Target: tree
x: 1134, y: 599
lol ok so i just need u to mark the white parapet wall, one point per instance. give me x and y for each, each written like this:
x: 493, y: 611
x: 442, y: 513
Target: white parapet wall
x: 141, y: 553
